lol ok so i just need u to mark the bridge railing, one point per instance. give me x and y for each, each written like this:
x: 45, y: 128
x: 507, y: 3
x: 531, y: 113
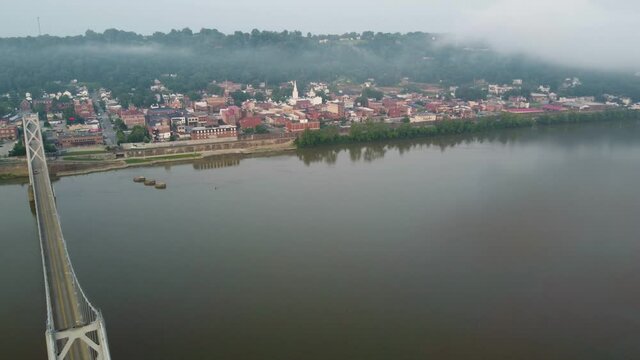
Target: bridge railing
x: 91, y: 317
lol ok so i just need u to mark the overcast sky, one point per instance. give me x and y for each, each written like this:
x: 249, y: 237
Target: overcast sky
x: 599, y: 33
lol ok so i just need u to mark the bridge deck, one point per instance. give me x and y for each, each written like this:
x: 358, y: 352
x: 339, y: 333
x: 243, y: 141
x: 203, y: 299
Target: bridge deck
x: 69, y: 309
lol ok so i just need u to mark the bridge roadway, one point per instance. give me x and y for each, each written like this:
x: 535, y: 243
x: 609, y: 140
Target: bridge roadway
x: 65, y: 298
x: 68, y: 307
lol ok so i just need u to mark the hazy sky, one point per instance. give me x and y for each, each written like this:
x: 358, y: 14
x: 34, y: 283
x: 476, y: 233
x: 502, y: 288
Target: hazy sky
x: 590, y: 32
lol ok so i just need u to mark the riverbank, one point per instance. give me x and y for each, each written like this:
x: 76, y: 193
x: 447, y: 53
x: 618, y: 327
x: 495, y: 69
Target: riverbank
x: 373, y: 132
x: 16, y: 170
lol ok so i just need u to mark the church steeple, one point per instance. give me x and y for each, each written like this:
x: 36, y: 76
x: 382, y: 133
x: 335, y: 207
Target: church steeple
x: 295, y: 91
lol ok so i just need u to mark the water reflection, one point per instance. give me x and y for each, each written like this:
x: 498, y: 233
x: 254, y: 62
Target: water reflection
x: 374, y: 151
x: 618, y: 133
x: 216, y: 162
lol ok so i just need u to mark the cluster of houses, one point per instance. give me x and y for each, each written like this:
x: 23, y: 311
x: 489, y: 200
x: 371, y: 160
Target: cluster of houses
x: 81, y: 129
x: 177, y: 117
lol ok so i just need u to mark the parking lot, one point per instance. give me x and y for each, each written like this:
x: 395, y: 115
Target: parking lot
x: 5, y: 148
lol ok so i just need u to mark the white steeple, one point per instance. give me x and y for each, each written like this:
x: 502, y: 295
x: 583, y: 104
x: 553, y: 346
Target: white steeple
x: 295, y: 94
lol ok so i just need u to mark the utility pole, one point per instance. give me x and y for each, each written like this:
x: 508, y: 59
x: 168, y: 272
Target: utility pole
x: 39, y: 30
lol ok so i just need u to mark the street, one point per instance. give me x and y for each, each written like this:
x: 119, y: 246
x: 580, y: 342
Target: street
x: 105, y: 123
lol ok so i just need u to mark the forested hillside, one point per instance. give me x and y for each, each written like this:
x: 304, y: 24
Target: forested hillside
x: 124, y: 60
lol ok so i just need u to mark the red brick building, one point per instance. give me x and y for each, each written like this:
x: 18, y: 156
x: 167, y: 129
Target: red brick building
x: 45, y: 103
x: 303, y: 104
x: 132, y: 118
x: 231, y: 115
x: 336, y: 108
x: 83, y: 108
x: 81, y: 139
x: 250, y: 122
x: 223, y: 131
x: 8, y: 132
x: 302, y: 126
x: 25, y: 106
x: 216, y: 103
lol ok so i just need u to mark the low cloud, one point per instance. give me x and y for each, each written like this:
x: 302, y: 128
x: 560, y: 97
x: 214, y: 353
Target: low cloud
x: 587, y: 33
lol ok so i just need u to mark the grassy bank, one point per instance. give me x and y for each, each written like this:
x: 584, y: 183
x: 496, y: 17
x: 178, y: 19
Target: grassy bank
x: 371, y: 132
x: 79, y: 158
x: 161, y: 158
x: 7, y: 177
x: 85, y: 152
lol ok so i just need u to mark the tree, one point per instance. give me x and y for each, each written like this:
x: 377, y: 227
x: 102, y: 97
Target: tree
x: 120, y: 125
x: 470, y: 94
x: 362, y: 101
x: 214, y: 89
x: 371, y: 93
x: 18, y: 149
x: 261, y: 129
x: 239, y: 97
x: 138, y: 134
x: 194, y: 95
x: 122, y: 138
x: 260, y: 96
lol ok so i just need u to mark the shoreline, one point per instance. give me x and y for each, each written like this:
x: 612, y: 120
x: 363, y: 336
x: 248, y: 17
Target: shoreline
x: 12, y: 176
x: 15, y: 171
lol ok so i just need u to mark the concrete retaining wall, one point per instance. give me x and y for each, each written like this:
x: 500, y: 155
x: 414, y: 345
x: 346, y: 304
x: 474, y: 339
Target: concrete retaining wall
x: 203, y: 147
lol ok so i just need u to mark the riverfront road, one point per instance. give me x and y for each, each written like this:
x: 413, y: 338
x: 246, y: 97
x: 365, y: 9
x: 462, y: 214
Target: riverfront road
x: 75, y: 329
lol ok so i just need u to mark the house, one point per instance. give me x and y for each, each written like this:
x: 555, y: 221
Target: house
x: 160, y: 131
x: 93, y: 124
x: 540, y: 98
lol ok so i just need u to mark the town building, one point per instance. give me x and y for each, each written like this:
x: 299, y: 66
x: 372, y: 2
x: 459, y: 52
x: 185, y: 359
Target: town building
x: 8, y: 132
x: 231, y: 115
x: 222, y: 131
x: 302, y: 126
x: 250, y: 122
x: 45, y: 104
x: 425, y: 117
x: 215, y: 103
x: 80, y: 139
x: 336, y: 108
x: 132, y: 117
x: 83, y: 108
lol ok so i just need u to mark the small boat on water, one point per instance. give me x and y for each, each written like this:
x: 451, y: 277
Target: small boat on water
x: 161, y: 185
x: 149, y: 182
x: 139, y: 179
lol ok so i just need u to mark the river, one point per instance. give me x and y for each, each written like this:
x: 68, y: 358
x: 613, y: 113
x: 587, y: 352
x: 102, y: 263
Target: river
x: 521, y: 244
